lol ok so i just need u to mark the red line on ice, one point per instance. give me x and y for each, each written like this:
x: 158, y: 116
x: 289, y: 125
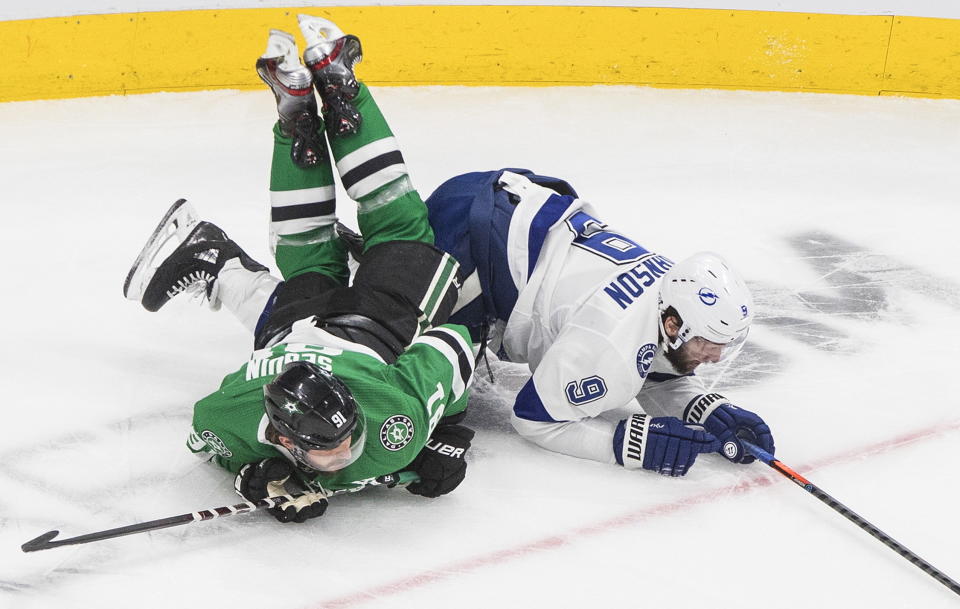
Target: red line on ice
x: 557, y: 541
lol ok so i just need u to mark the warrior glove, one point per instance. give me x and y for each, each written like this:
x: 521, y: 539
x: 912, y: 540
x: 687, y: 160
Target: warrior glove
x: 441, y: 465
x: 662, y: 444
x: 730, y: 424
x: 274, y: 477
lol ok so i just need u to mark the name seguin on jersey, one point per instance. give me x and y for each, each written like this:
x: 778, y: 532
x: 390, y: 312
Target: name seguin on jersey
x: 630, y: 285
x: 271, y: 366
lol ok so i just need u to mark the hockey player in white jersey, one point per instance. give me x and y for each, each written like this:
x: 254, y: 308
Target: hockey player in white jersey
x: 600, y: 320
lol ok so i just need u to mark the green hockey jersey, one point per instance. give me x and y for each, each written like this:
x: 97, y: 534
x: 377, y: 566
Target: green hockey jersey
x: 401, y: 402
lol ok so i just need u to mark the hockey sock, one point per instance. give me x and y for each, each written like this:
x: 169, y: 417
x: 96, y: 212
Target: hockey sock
x: 302, y: 216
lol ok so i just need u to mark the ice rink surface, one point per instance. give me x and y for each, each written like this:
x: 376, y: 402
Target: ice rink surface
x: 841, y: 211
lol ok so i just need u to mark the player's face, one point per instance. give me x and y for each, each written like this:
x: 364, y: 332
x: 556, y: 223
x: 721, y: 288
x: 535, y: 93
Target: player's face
x: 694, y: 352
x: 330, y: 460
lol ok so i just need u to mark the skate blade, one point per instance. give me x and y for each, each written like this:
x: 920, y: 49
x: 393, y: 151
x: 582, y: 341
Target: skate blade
x: 319, y: 31
x: 280, y: 44
x: 177, y: 223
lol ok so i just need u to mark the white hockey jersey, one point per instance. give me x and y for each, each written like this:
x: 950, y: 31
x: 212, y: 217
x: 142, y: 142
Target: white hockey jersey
x: 586, y: 322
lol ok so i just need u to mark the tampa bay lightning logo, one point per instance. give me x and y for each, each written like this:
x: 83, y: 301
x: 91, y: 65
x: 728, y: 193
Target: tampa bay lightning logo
x: 645, y: 358
x: 707, y: 296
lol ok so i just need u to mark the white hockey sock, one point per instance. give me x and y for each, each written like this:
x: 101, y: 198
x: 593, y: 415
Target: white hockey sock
x: 243, y: 292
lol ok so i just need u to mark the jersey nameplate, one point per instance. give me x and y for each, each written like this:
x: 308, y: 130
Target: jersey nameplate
x: 271, y: 366
x: 630, y: 285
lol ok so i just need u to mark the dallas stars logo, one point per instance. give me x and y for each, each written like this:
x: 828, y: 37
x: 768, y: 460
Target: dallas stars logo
x: 292, y: 408
x: 215, y: 443
x: 396, y: 432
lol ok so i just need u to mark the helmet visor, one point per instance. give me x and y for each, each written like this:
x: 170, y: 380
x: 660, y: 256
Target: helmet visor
x: 709, y: 352
x: 697, y: 351
x: 339, y: 457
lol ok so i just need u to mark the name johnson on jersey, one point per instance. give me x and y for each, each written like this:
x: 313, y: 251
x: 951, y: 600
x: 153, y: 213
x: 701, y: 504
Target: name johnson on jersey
x: 630, y: 285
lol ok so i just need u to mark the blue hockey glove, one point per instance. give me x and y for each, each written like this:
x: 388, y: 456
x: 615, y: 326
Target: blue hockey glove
x: 729, y: 423
x: 663, y: 444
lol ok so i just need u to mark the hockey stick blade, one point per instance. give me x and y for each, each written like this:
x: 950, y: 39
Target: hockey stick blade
x: 41, y: 543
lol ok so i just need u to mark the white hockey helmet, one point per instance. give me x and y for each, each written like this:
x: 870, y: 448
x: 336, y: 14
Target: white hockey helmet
x: 712, y: 300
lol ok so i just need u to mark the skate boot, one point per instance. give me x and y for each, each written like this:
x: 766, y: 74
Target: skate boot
x: 292, y: 85
x: 331, y: 56
x: 200, y: 249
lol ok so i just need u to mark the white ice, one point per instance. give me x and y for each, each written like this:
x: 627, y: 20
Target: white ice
x: 841, y: 211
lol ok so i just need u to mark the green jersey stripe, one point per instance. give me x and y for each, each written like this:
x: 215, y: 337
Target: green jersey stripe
x: 439, y: 285
x: 282, y: 198
x: 453, y: 347
x: 366, y: 153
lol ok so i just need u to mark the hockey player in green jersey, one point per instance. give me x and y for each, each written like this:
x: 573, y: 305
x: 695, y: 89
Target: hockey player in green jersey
x: 347, y: 385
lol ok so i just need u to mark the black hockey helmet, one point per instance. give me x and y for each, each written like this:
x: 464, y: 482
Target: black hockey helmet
x: 316, y: 411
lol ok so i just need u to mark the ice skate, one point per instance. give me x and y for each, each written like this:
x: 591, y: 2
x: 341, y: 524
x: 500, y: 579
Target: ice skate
x: 292, y: 85
x: 200, y: 249
x: 331, y: 56
x: 174, y: 227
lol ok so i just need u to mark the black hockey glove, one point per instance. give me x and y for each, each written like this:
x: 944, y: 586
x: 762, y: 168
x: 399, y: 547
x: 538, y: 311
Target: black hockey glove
x: 440, y: 464
x: 275, y: 477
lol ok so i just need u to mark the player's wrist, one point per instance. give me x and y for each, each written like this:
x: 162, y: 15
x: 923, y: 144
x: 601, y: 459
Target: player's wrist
x: 628, y: 441
x: 701, y: 407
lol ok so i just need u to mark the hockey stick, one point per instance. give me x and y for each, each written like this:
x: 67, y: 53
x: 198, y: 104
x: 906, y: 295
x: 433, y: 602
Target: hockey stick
x: 852, y: 516
x: 45, y: 541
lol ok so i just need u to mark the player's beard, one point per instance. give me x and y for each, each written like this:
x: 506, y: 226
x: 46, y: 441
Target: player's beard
x: 680, y: 359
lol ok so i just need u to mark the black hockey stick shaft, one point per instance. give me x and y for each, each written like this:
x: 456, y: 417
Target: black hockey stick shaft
x: 852, y: 516
x: 46, y: 541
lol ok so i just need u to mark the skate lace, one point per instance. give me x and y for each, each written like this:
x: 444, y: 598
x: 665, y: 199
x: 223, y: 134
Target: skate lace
x: 211, y: 255
x: 195, y: 284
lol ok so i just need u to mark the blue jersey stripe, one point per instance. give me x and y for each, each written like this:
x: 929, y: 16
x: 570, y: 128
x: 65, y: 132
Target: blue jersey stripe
x: 529, y: 406
x: 550, y: 213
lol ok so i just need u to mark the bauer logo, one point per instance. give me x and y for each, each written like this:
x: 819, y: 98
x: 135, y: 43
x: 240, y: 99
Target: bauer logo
x: 707, y: 296
x: 214, y: 442
x: 645, y: 358
x: 396, y: 432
